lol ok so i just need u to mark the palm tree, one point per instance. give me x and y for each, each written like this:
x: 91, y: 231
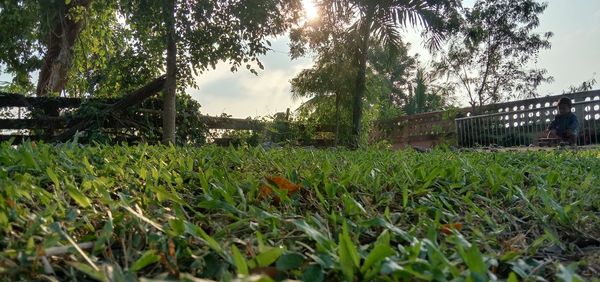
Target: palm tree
x: 394, y: 68
x: 326, y: 80
x: 381, y: 21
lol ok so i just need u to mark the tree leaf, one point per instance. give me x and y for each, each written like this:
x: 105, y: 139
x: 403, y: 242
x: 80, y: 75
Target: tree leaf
x: 177, y: 226
x: 389, y: 267
x: 289, y: 261
x: 381, y: 250
x: 28, y: 158
x: 81, y: 199
x: 198, y: 232
x: 89, y: 271
x: 568, y: 274
x: 349, y: 259
x: 148, y: 258
x: 313, y: 273
x: 270, y: 256
x: 313, y: 233
x: 239, y: 261
x: 52, y: 175
x: 474, y: 260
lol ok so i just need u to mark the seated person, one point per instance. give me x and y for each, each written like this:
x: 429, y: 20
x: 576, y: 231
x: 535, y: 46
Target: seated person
x: 565, y: 125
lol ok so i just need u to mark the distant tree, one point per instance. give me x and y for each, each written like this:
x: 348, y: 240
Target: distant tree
x: 428, y: 94
x: 393, y: 70
x: 330, y: 77
x: 395, y: 86
x: 374, y: 21
x: 406, y: 87
x: 584, y: 86
x: 490, y: 55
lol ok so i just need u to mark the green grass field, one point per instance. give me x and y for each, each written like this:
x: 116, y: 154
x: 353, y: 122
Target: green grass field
x: 187, y: 213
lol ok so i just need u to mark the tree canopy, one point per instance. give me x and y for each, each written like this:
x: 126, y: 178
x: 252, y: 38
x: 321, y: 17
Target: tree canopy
x: 491, y: 54
x: 118, y: 39
x: 367, y: 21
x: 86, y: 47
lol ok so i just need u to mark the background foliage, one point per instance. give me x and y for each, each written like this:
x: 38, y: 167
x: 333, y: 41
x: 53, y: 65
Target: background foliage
x: 490, y: 56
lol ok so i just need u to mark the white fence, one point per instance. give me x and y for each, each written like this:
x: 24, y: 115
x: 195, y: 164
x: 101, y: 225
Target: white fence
x: 522, y: 123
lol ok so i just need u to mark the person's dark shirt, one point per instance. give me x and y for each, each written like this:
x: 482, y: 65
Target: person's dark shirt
x: 562, y: 123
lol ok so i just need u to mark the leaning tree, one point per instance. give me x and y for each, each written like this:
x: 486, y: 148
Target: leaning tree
x: 87, y: 41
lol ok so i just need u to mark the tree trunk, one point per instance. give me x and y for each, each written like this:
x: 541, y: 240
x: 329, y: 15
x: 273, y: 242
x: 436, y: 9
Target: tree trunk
x: 483, y: 85
x: 362, y: 54
x: 338, y: 101
x: 59, y: 54
x: 169, y: 111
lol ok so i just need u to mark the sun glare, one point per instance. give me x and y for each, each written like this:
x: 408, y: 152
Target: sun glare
x: 310, y: 10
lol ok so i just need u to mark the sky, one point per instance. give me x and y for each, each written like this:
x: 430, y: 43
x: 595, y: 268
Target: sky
x: 573, y: 58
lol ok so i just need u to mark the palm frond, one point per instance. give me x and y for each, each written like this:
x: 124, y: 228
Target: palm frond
x: 387, y: 34
x: 427, y: 14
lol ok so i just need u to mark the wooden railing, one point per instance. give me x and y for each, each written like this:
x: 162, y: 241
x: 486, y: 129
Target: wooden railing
x: 36, y: 118
x: 43, y: 118
x: 216, y: 125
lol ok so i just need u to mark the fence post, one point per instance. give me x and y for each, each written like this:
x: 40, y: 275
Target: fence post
x: 50, y: 109
x: 458, y: 133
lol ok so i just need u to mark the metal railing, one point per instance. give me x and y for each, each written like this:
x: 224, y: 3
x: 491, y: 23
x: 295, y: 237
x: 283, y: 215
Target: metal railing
x: 525, y: 124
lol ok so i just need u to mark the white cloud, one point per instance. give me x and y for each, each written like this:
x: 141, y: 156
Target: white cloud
x: 244, y: 94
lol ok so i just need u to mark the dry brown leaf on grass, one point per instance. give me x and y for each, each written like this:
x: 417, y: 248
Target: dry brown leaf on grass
x: 447, y: 228
x: 281, y: 183
x: 516, y: 244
